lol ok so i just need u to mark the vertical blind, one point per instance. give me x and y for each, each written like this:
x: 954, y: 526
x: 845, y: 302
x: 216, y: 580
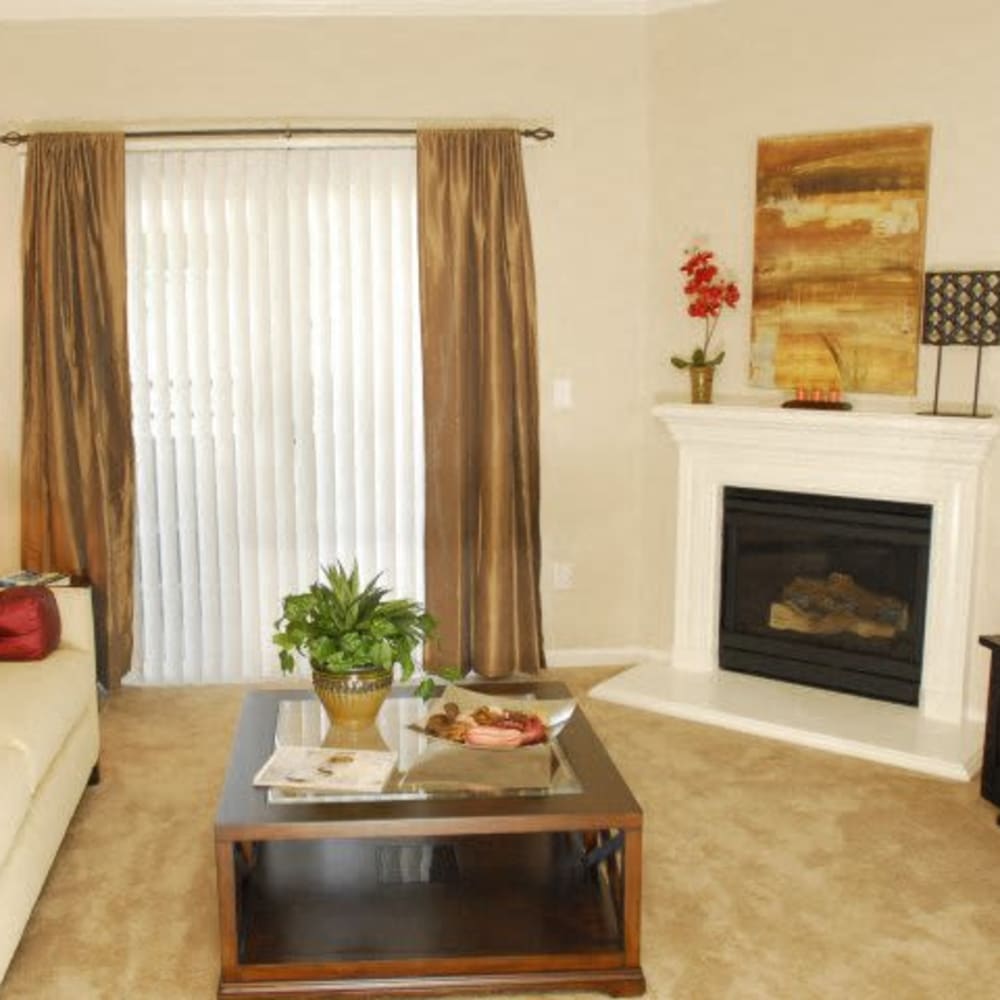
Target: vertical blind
x: 275, y: 363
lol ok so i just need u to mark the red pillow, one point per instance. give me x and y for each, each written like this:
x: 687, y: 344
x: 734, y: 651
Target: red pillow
x: 29, y: 623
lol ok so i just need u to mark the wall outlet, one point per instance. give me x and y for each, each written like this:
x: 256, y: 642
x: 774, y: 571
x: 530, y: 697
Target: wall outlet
x: 562, y: 394
x: 562, y: 576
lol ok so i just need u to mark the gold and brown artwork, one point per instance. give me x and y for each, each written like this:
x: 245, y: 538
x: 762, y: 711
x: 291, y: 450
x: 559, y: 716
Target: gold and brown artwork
x: 838, y: 260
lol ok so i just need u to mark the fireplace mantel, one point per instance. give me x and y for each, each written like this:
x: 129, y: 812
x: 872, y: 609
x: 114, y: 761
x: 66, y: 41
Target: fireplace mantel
x: 882, y: 455
x: 769, y: 429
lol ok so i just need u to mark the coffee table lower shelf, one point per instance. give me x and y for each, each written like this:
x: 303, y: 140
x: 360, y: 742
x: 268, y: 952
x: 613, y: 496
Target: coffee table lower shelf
x: 426, y: 917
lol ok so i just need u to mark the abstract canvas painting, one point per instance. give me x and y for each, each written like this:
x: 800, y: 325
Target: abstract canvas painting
x: 838, y: 260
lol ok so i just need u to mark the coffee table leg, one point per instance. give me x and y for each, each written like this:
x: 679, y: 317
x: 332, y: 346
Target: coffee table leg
x: 617, y: 853
x: 225, y: 875
x: 632, y: 895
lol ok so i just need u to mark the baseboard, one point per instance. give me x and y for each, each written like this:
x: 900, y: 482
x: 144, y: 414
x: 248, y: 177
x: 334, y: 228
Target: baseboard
x: 601, y: 656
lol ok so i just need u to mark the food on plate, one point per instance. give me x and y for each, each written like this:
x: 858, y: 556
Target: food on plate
x: 486, y: 726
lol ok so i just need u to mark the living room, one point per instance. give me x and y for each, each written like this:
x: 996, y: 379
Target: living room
x: 657, y: 113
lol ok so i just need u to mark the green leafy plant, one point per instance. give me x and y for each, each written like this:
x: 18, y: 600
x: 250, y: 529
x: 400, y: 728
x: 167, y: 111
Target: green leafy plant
x: 340, y: 625
x: 440, y: 676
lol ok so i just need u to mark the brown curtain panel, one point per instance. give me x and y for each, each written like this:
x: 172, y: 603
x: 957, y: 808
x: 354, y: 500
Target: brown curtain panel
x: 477, y: 305
x: 77, y: 487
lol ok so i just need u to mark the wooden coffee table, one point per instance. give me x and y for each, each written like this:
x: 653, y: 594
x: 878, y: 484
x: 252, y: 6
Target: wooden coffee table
x: 453, y: 893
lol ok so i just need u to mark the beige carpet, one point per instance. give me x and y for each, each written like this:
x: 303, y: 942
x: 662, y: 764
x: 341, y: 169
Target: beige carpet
x: 771, y: 872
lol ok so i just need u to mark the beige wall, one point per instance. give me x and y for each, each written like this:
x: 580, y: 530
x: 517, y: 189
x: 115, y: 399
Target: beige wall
x: 10, y: 371
x: 657, y: 122
x: 725, y: 75
x: 588, y: 193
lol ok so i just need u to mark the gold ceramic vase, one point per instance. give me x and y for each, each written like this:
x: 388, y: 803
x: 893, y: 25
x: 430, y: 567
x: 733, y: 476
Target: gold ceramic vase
x: 701, y: 383
x: 352, y: 698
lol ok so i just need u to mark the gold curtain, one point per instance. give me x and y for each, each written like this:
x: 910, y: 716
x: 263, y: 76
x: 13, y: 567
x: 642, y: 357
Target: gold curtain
x: 77, y: 485
x: 477, y: 305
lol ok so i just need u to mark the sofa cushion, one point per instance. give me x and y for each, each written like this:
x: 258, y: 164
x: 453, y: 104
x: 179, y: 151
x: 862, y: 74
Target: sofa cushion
x: 16, y: 795
x: 41, y: 702
x: 29, y: 623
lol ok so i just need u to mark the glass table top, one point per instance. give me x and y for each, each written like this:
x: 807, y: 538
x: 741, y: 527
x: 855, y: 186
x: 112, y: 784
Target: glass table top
x: 425, y: 767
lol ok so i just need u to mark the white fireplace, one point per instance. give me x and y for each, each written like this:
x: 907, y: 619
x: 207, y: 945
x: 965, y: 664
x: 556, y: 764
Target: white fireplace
x: 938, y: 461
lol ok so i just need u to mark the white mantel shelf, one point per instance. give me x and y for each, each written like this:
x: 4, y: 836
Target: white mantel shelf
x: 876, y: 454
x: 849, y: 433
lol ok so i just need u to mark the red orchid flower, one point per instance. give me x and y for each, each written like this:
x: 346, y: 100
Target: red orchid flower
x: 707, y: 293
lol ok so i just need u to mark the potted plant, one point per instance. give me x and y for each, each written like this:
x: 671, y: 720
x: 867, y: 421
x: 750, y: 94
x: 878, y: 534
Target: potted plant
x: 707, y: 292
x: 353, y: 636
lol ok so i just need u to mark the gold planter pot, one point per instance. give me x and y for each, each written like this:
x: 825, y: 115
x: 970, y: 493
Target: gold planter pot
x: 701, y: 383
x: 352, y: 698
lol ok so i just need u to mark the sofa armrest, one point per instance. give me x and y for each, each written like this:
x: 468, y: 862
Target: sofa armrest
x: 76, y: 613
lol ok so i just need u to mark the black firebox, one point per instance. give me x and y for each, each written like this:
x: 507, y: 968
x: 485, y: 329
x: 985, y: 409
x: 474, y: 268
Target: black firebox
x: 825, y: 590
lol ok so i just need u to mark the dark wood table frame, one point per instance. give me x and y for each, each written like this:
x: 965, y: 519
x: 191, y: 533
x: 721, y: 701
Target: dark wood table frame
x: 433, y: 896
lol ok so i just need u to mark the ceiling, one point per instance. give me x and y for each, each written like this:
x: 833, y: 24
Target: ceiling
x: 63, y: 10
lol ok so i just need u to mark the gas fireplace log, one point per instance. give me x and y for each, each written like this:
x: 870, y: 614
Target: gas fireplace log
x: 837, y: 604
x: 789, y: 619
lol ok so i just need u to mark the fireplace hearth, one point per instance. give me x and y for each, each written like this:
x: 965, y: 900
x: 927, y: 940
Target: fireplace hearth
x: 823, y: 590
x: 876, y: 455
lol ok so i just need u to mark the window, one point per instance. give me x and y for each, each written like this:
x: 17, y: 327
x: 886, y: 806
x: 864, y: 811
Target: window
x: 276, y: 379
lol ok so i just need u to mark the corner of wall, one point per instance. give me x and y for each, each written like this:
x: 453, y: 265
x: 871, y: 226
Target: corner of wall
x: 10, y: 372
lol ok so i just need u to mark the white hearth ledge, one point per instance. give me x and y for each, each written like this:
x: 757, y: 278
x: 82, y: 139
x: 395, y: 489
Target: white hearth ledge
x: 823, y: 720
x: 874, y: 454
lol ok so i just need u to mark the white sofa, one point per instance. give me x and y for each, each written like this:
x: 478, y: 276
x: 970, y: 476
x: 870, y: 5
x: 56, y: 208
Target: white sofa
x: 49, y: 746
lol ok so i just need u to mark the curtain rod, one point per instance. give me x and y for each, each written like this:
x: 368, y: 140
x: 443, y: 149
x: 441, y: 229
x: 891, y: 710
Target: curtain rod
x: 538, y: 132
